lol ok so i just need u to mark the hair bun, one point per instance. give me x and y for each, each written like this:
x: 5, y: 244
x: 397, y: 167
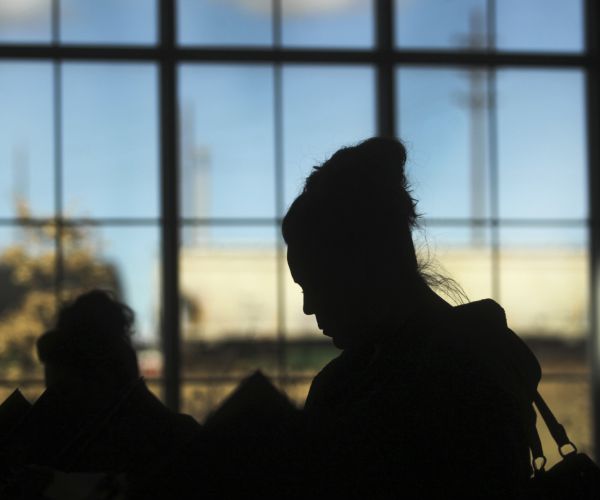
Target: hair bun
x: 369, y: 177
x: 386, y: 153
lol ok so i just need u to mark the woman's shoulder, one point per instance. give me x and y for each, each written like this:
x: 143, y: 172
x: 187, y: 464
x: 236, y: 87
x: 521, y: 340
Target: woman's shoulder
x: 465, y: 347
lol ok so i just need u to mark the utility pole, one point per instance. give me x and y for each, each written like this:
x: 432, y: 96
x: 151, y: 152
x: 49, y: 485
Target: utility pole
x: 476, y: 101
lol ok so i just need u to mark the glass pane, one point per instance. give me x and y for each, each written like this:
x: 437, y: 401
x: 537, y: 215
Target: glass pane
x: 327, y: 23
x: 544, y: 281
x: 110, y: 140
x: 540, y: 25
x: 27, y: 297
x: 108, y: 21
x: 26, y: 139
x: 324, y: 108
x: 125, y: 260
x: 201, y: 397
x: 462, y: 254
x: 214, y: 22
x: 297, y: 388
x: 229, y: 296
x: 541, y: 144
x: 227, y: 141
x: 442, y: 120
x: 25, y: 21
x: 460, y: 24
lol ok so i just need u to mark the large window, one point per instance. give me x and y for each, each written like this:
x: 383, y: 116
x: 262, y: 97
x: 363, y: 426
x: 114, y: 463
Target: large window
x: 153, y: 146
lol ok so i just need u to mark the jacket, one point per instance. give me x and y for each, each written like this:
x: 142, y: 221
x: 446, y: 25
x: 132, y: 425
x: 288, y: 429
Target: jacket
x: 439, y: 409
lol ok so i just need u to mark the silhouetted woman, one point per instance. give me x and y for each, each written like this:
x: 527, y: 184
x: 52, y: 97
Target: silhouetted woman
x: 99, y: 415
x: 90, y: 348
x: 427, y: 399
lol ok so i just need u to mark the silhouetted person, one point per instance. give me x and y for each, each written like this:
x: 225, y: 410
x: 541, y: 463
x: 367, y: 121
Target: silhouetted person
x: 427, y: 400
x: 89, y: 351
x: 97, y: 414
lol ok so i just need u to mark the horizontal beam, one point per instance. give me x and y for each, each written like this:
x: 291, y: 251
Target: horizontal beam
x: 293, y: 56
x: 270, y: 221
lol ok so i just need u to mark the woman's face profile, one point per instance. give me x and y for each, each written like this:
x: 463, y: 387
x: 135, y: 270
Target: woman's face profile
x: 335, y: 303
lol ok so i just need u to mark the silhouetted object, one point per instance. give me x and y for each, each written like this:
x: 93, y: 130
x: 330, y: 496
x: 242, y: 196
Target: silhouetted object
x: 254, y: 404
x: 12, y: 410
x: 250, y: 449
x: 90, y: 346
x: 97, y: 413
x: 574, y: 477
x: 426, y: 399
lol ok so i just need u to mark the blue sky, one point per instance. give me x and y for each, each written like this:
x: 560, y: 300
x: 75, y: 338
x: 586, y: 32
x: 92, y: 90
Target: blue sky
x: 110, y: 127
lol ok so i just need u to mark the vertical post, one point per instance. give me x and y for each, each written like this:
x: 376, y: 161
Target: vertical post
x: 58, y: 158
x: 494, y: 171
x: 169, y: 167
x: 384, y: 29
x: 279, y: 198
x: 593, y: 152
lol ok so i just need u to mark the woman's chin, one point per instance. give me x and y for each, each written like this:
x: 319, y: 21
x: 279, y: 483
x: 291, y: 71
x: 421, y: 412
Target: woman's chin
x: 338, y: 342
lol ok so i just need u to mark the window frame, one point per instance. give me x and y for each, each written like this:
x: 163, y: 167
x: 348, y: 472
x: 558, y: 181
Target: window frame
x: 384, y: 57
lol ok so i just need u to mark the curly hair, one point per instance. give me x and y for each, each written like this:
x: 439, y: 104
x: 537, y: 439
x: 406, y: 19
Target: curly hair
x: 92, y: 336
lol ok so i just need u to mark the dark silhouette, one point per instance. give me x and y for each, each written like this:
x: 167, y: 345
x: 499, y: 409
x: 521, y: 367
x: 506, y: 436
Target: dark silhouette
x: 251, y: 448
x: 12, y: 410
x: 97, y: 414
x: 427, y: 399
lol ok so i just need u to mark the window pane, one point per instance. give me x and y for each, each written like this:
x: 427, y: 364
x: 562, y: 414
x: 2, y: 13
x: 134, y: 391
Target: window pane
x: 327, y: 23
x: 214, y: 22
x: 27, y: 298
x: 324, y: 108
x: 541, y: 143
x: 26, y: 139
x: 229, y: 296
x: 460, y: 24
x: 459, y: 253
x: 543, y: 281
x: 442, y: 119
x: 108, y: 21
x: 540, y: 25
x: 25, y: 21
x: 200, y: 397
x: 227, y: 141
x: 297, y: 389
x: 110, y: 140
x: 125, y: 260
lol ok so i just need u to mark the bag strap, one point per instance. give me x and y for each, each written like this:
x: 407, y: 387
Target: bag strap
x: 558, y: 432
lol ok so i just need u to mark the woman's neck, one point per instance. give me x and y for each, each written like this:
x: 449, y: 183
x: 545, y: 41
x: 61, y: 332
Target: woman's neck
x: 422, y: 302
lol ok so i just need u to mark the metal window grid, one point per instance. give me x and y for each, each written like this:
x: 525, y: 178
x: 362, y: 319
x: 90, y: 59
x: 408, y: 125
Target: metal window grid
x: 384, y: 57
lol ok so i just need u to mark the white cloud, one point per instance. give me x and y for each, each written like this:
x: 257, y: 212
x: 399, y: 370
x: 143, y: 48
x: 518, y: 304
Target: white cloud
x: 294, y: 8
x: 300, y: 7
x: 22, y: 10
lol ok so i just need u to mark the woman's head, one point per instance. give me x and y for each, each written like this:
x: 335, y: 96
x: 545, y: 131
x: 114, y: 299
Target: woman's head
x: 349, y: 239
x: 90, y: 343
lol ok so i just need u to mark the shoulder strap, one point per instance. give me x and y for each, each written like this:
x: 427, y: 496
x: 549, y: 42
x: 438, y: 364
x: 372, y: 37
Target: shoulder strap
x: 558, y: 432
x: 556, y: 429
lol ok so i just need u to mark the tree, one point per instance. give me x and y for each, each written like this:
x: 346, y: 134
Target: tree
x: 31, y: 289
